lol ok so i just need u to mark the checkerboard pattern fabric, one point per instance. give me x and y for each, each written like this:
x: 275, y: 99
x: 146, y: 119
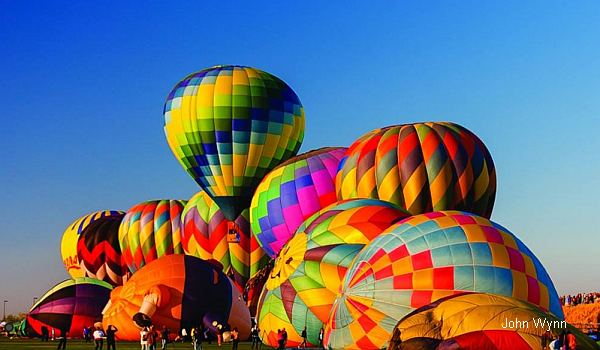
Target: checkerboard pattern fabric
x: 291, y: 193
x: 150, y: 230
x: 421, y: 167
x: 230, y: 125
x: 205, y: 236
x: 309, y: 269
x: 425, y: 258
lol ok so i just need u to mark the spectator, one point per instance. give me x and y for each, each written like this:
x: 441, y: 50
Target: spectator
x: 164, y: 336
x: 110, y: 337
x: 98, y: 339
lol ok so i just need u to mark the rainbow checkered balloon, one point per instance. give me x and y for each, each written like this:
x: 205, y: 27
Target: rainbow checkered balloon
x: 423, y: 259
x: 150, y: 230
x: 205, y: 236
x: 421, y: 167
x: 229, y: 126
x: 291, y: 193
x: 308, y: 272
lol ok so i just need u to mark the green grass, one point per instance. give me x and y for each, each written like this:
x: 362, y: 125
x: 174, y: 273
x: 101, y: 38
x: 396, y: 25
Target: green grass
x: 17, y: 344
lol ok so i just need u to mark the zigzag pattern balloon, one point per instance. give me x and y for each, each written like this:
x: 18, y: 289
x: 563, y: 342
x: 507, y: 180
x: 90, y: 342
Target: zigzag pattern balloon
x: 421, y: 167
x: 150, y: 230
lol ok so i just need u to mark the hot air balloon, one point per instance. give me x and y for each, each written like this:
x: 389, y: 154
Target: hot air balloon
x: 150, y: 230
x: 291, y: 193
x: 425, y: 258
x: 176, y: 291
x: 229, y: 126
x: 302, y: 285
x: 99, y: 253
x: 70, y: 305
x: 421, y: 167
x: 206, y: 236
x: 482, y: 321
x: 68, y: 244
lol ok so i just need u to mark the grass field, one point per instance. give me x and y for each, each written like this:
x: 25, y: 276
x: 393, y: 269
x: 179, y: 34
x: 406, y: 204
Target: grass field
x: 17, y: 344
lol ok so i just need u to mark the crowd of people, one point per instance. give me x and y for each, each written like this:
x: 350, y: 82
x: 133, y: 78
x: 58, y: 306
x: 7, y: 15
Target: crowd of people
x: 580, y: 298
x: 566, y: 341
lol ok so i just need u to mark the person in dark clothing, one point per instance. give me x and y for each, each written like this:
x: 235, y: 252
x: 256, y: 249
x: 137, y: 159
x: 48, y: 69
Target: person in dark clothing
x: 562, y: 340
x: 110, y: 337
x: 235, y: 337
x: 321, y: 333
x: 62, y: 344
x: 304, y: 336
x: 44, y: 333
x: 255, y: 338
x: 164, y: 336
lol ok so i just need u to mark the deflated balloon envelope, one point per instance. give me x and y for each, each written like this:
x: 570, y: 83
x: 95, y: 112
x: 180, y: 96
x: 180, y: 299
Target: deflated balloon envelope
x: 481, y: 321
x: 422, y: 167
x: 176, y: 291
x: 229, y: 126
x: 70, y: 305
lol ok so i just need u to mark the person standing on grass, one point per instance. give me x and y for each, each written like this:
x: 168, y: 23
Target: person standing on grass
x: 110, y: 337
x: 63, y: 338
x: 304, y: 341
x: 152, y: 338
x: 254, y: 335
x: 164, y: 335
x: 321, y: 334
x: 235, y: 337
x: 144, y: 338
x: 98, y: 335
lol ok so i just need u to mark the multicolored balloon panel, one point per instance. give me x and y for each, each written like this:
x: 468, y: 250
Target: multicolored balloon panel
x: 99, y: 253
x: 291, y: 193
x: 229, y: 126
x: 150, y: 230
x: 421, y: 167
x: 428, y: 257
x: 68, y: 244
x: 482, y: 321
x: 176, y: 291
x: 70, y: 305
x: 205, y: 235
x: 302, y: 286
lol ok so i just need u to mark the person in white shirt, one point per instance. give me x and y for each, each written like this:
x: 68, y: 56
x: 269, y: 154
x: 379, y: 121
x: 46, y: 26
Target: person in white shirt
x: 144, y: 339
x: 98, y: 335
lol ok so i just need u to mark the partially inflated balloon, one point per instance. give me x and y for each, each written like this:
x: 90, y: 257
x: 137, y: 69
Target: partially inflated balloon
x: 205, y: 235
x: 70, y: 306
x: 307, y: 274
x: 292, y: 193
x: 229, y: 126
x: 425, y: 258
x: 150, y: 230
x: 99, y: 253
x: 484, y: 322
x: 176, y: 291
x: 68, y: 244
x: 421, y: 167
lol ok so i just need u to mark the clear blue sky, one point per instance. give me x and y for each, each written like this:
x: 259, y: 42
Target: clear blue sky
x: 82, y: 90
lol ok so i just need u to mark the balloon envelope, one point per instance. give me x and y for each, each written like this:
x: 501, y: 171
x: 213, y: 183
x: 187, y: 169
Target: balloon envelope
x: 68, y: 244
x: 425, y: 258
x: 485, y: 320
x: 229, y: 126
x: 422, y: 167
x: 291, y: 193
x: 150, y: 230
x: 205, y: 235
x: 302, y: 286
x: 70, y: 305
x: 99, y: 253
x: 177, y: 291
